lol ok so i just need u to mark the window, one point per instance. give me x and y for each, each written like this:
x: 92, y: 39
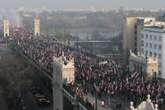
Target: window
x: 155, y: 55
x: 146, y: 36
x: 142, y: 43
x: 150, y: 37
x: 150, y: 45
x: 146, y: 53
x: 147, y: 44
x: 159, y: 56
x: 150, y: 54
x: 160, y: 47
x: 155, y: 38
x: 155, y: 46
x: 160, y: 38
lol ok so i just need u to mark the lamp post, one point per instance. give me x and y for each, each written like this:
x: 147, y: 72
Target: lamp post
x: 155, y: 76
x: 96, y: 90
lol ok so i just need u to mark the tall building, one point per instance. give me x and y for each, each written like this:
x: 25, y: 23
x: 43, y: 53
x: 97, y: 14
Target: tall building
x: 145, y: 36
x: 153, y: 44
x: 128, y: 36
x: 6, y: 30
x: 132, y: 33
x: 37, y: 26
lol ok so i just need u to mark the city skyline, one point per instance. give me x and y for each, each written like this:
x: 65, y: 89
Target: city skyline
x: 83, y: 4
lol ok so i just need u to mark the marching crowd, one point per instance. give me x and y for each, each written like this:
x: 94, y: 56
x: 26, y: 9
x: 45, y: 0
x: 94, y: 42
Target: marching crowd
x: 92, y: 74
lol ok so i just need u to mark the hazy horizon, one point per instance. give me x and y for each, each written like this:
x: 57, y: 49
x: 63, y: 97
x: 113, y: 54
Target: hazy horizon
x: 82, y: 4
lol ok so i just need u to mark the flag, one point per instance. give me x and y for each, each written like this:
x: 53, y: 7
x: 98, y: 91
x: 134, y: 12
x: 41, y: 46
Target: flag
x: 134, y: 74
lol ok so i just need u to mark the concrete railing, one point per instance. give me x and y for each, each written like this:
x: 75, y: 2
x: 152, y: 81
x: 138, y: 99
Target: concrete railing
x: 73, y: 100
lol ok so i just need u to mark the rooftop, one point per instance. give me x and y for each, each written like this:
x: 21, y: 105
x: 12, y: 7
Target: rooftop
x: 158, y: 29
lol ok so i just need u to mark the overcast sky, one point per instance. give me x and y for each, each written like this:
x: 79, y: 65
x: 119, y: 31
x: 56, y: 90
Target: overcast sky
x: 82, y: 4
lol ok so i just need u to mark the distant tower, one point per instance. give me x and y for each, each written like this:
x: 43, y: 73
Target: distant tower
x: 128, y: 36
x: 63, y: 71
x: 6, y: 27
x: 37, y: 26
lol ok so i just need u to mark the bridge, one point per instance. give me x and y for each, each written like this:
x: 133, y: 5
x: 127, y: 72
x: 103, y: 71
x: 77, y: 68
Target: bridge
x: 66, y: 90
x: 77, y: 103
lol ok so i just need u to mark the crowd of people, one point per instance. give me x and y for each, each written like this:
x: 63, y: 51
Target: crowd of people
x: 111, y: 79
x: 95, y: 75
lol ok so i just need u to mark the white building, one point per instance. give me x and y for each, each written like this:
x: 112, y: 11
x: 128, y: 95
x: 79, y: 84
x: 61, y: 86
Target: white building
x: 153, y: 45
x: 131, y: 32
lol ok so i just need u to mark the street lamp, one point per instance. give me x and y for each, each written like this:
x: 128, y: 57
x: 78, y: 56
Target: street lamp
x: 96, y: 90
x: 155, y: 76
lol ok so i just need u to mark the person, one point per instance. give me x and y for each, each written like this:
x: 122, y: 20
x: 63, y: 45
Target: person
x: 102, y: 103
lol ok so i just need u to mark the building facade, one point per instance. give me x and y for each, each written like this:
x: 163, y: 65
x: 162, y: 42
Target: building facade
x: 128, y: 36
x: 132, y: 32
x: 146, y: 66
x: 153, y: 44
